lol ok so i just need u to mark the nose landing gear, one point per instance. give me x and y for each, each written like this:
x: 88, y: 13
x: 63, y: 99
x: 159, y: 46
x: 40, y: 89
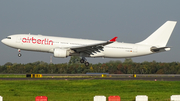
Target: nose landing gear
x: 19, y: 54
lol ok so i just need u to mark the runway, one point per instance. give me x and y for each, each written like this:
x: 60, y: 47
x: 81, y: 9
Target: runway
x: 149, y: 77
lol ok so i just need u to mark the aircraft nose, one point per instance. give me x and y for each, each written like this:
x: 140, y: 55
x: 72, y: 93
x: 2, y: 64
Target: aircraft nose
x: 2, y: 40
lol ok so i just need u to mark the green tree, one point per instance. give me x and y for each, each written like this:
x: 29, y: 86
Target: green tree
x: 74, y: 60
x: 128, y: 60
x: 8, y: 64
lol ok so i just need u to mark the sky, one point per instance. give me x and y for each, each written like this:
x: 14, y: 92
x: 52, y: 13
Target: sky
x: 131, y: 20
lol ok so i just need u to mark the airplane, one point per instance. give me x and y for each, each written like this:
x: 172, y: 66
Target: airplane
x: 63, y: 47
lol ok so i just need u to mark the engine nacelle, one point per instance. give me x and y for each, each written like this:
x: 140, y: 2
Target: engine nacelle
x: 61, y: 53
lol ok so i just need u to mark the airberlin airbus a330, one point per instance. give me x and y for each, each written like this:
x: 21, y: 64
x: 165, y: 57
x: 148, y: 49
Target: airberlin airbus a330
x: 63, y: 47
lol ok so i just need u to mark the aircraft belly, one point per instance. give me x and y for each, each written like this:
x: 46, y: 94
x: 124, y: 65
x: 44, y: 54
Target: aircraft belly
x: 135, y: 51
x: 119, y: 53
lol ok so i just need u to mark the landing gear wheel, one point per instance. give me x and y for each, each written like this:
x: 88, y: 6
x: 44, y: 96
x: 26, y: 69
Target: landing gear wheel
x: 19, y: 55
x: 82, y: 61
x: 86, y: 64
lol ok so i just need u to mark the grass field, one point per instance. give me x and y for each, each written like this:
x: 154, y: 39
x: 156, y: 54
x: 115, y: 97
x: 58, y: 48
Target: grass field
x: 85, y: 90
x: 12, y: 76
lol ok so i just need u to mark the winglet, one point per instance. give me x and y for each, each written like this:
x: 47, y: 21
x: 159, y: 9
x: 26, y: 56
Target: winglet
x: 113, y: 39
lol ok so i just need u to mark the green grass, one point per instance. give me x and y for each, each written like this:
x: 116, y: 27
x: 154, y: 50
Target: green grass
x: 12, y: 76
x: 85, y: 90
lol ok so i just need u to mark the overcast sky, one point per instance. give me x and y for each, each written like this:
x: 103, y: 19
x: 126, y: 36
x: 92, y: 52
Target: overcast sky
x: 131, y: 20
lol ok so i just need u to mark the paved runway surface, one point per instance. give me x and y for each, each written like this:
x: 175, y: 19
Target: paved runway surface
x: 150, y: 77
x: 147, y: 78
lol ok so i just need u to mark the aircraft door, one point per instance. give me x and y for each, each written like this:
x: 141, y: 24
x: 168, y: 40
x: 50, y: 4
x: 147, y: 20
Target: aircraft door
x: 33, y: 43
x: 135, y: 49
x: 18, y: 39
x: 38, y: 44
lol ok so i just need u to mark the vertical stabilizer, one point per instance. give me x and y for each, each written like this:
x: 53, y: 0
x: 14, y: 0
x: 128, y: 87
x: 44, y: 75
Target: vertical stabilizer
x: 161, y: 36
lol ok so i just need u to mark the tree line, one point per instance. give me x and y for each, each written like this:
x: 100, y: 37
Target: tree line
x: 75, y: 67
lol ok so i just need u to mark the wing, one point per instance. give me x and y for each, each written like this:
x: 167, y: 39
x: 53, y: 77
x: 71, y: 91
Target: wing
x: 92, y: 48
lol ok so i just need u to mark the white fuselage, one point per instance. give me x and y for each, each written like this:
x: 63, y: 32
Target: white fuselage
x: 63, y: 47
x: 49, y: 43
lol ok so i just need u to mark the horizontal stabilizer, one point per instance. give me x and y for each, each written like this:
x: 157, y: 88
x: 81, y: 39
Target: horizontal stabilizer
x: 161, y: 49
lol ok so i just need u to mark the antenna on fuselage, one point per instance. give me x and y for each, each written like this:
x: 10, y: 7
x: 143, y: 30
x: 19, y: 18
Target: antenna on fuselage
x: 29, y: 33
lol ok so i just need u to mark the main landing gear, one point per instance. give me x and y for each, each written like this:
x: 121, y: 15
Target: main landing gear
x: 19, y: 54
x: 83, y: 60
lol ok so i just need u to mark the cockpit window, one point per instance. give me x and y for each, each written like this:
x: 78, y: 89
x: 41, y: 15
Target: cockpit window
x: 8, y: 37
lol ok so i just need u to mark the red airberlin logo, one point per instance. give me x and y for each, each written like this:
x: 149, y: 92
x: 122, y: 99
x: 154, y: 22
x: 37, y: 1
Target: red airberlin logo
x: 38, y: 41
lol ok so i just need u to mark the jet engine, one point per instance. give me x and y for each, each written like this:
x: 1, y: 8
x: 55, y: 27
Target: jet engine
x: 61, y: 53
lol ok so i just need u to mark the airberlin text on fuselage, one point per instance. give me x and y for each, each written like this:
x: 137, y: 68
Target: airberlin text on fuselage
x: 38, y: 41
